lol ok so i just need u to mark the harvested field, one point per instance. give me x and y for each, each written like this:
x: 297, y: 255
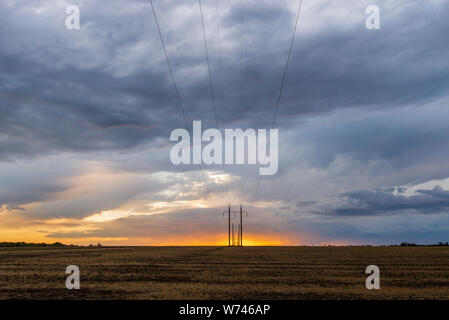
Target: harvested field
x: 225, y: 273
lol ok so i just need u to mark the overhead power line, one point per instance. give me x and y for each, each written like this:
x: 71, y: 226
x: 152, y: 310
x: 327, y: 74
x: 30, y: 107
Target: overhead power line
x: 284, y: 75
x: 211, y: 85
x: 178, y: 96
x: 278, y: 102
x: 212, y: 92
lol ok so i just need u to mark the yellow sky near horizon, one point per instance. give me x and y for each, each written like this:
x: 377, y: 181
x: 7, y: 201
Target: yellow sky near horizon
x: 17, y: 228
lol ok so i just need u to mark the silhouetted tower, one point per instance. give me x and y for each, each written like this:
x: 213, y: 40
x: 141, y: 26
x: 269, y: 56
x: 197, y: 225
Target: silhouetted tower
x: 238, y: 234
x: 229, y: 225
x: 241, y: 227
x: 235, y: 227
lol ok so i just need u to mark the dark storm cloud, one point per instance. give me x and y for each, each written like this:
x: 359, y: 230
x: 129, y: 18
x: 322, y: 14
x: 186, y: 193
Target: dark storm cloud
x: 42, y: 191
x: 106, y: 86
x: 436, y: 192
x: 21, y: 184
x: 385, y: 202
x: 343, y: 65
x: 401, y: 136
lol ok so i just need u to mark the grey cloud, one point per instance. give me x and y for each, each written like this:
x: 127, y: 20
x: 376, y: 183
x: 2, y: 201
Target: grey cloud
x: 40, y: 191
x: 421, y: 229
x: 403, y: 136
x: 385, y: 202
x: 59, y: 94
x: 436, y: 192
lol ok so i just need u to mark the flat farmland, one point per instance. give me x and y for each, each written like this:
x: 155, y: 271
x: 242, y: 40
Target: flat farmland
x: 225, y: 273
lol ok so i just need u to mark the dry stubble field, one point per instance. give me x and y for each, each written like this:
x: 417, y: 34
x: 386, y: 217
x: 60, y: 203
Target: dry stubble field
x: 225, y: 273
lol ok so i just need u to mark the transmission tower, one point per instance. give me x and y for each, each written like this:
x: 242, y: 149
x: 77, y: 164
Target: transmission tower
x: 235, y: 223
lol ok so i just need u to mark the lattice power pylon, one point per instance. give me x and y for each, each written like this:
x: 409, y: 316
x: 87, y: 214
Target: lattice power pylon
x: 235, y: 228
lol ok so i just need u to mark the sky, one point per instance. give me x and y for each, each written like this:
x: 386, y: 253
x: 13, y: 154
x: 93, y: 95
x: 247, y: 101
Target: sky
x: 86, y: 116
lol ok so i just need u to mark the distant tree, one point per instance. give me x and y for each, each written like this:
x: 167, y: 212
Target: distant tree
x: 406, y: 244
x: 24, y: 244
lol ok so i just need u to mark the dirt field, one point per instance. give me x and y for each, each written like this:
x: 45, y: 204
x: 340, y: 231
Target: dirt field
x: 225, y: 273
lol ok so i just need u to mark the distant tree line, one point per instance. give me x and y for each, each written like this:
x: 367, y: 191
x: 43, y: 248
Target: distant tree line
x: 55, y: 244
x: 402, y: 244
x: 25, y: 244
x: 407, y: 244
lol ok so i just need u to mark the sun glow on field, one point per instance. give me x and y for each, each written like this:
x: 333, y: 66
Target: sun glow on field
x: 215, y: 241
x: 262, y: 242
